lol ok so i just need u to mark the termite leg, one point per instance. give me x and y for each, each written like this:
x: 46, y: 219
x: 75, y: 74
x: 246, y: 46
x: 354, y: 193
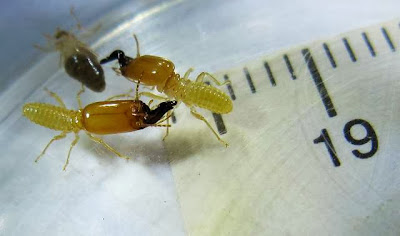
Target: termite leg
x: 87, y: 33
x: 101, y: 141
x: 152, y: 95
x: 201, y: 76
x: 47, y: 48
x: 145, y: 86
x: 70, y: 149
x: 57, y: 137
x: 137, y: 95
x: 149, y: 87
x: 150, y: 102
x: 117, y: 71
x: 169, y: 114
x: 137, y: 45
x: 158, y: 125
x: 127, y: 94
x: 167, y: 118
x: 78, y: 22
x: 186, y: 76
x: 49, y: 37
x: 56, y: 97
x: 200, y: 117
x: 78, y: 96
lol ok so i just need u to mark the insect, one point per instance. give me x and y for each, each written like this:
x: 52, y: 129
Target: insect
x: 107, y: 117
x: 159, y: 72
x: 79, y: 61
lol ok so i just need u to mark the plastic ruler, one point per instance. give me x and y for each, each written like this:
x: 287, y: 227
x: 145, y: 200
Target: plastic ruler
x: 314, y: 143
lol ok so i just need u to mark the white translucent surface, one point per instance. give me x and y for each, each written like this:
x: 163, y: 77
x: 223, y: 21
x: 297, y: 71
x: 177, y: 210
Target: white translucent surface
x: 99, y: 195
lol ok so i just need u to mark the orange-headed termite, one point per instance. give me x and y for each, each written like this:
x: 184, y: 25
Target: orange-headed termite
x: 107, y: 117
x: 159, y: 72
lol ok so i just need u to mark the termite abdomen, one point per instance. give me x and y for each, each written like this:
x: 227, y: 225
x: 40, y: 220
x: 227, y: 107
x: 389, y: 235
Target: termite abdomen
x: 84, y: 67
x: 52, y: 117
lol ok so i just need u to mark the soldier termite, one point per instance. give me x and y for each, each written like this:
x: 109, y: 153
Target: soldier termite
x: 107, y: 117
x: 159, y: 72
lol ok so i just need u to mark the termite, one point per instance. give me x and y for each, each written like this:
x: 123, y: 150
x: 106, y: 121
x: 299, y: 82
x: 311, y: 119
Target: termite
x: 106, y: 117
x: 159, y: 72
x: 80, y: 62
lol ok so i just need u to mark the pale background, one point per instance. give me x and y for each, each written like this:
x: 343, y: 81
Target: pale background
x: 99, y: 195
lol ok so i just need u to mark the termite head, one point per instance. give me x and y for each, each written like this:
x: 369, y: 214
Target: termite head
x: 60, y: 33
x: 61, y: 39
x: 149, y: 70
x: 119, y: 55
x: 153, y: 116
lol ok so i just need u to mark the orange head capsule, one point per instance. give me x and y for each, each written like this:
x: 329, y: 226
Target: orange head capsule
x: 150, y: 70
x: 120, y: 116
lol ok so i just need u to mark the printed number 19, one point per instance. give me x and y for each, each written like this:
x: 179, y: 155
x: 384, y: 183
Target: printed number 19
x: 369, y: 137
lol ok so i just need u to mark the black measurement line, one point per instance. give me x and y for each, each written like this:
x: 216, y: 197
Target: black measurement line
x: 249, y: 81
x: 269, y: 72
x: 324, y: 138
x: 323, y: 92
x: 349, y: 50
x: 219, y: 122
x: 173, y: 118
x: 329, y: 55
x: 289, y: 66
x: 369, y: 45
x: 388, y: 40
x: 230, y: 89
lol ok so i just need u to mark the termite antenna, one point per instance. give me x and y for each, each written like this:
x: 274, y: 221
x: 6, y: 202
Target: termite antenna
x: 137, y: 88
x: 117, y: 55
x: 137, y: 46
x: 78, y: 22
x: 158, y: 125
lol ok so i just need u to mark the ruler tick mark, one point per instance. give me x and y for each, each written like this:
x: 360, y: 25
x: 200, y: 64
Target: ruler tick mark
x: 269, y: 72
x: 316, y: 76
x: 219, y: 122
x: 324, y: 138
x: 249, y: 80
x: 173, y: 118
x: 388, y: 39
x: 289, y: 66
x: 230, y: 89
x: 349, y: 50
x: 368, y: 43
x: 329, y: 55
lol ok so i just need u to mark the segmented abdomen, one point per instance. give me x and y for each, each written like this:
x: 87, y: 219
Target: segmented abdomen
x: 205, y: 96
x: 53, y: 117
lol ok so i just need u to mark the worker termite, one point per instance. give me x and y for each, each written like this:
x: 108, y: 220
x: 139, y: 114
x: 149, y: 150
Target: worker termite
x: 107, y: 117
x: 159, y: 72
x: 79, y: 61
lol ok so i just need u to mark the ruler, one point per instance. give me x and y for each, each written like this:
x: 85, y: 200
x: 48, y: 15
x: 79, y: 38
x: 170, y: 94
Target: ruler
x: 313, y: 143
